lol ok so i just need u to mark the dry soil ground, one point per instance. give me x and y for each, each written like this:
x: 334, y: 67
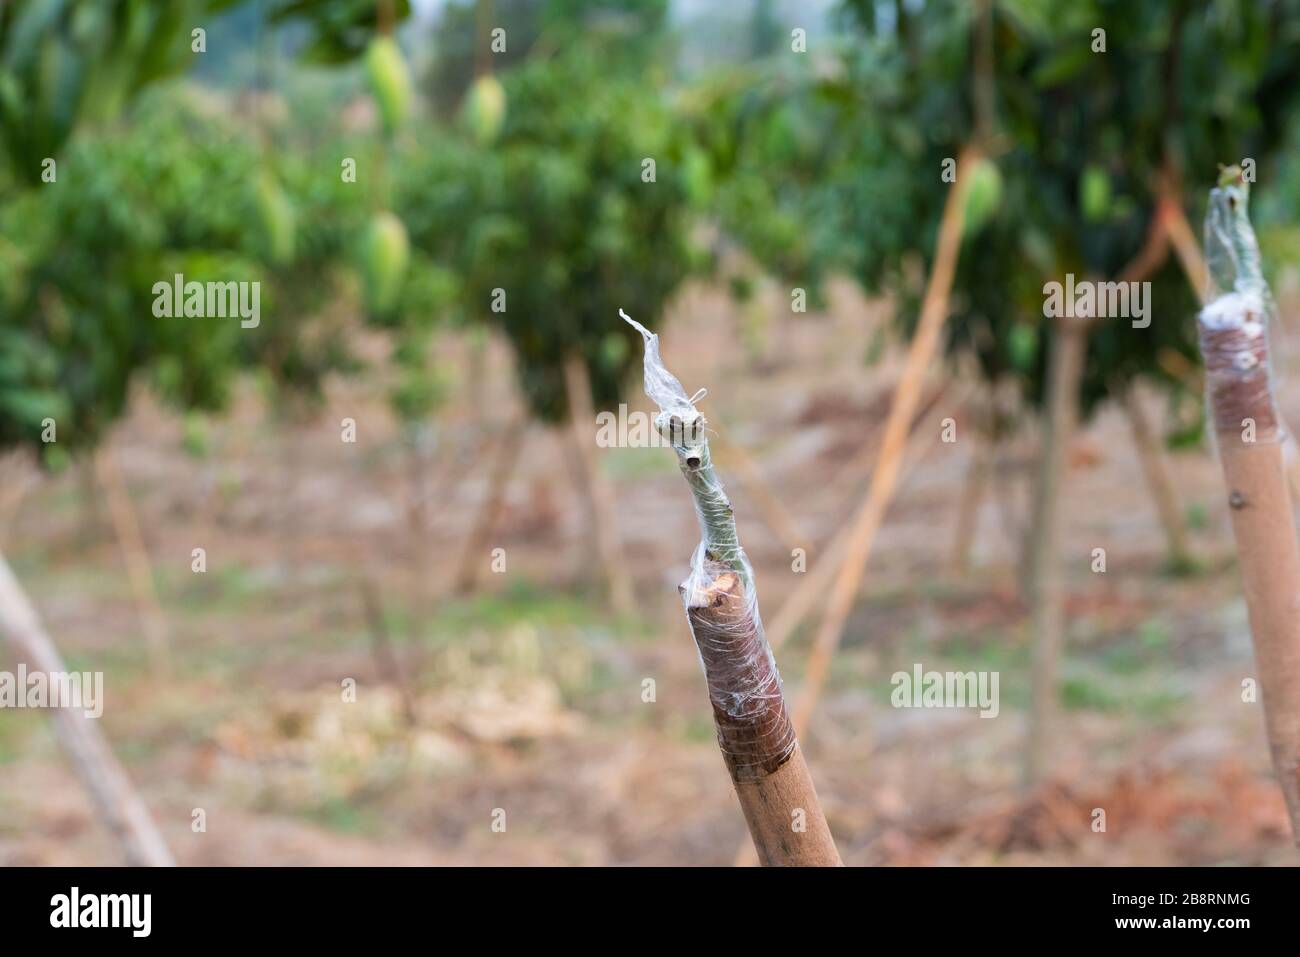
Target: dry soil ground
x: 526, y: 698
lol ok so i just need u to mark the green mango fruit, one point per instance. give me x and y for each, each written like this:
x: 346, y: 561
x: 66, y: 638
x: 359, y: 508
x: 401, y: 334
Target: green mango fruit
x: 279, y: 222
x: 1094, y: 194
x: 385, y: 256
x: 1022, y: 346
x: 390, y: 82
x: 983, y: 195
x: 699, y: 175
x: 485, y: 109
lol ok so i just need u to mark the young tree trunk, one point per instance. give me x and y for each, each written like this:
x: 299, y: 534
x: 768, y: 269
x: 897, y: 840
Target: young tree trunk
x: 582, y: 418
x: 972, y: 496
x: 417, y: 456
x: 139, y: 569
x: 755, y: 734
x: 92, y: 521
x: 116, y: 800
x: 1046, y: 586
x: 474, y: 554
x: 13, y: 490
x: 1163, y: 494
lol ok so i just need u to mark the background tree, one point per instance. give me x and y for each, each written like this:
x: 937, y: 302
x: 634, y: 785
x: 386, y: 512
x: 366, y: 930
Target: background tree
x: 579, y: 206
x: 1091, y: 133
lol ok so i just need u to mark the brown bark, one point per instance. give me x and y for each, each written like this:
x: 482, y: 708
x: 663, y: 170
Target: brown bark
x: 601, y: 497
x: 968, y: 507
x: 1046, y: 587
x: 114, y: 797
x: 755, y: 733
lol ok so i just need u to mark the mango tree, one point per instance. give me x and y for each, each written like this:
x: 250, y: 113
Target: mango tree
x: 577, y: 207
x: 1091, y: 115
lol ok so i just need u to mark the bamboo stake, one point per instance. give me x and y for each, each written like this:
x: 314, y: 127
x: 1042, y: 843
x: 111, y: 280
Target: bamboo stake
x: 755, y: 734
x: 805, y: 597
x: 139, y: 570
x: 847, y: 485
x: 1183, y: 239
x: 925, y: 341
x: 119, y: 805
x: 582, y: 417
x: 1234, y: 342
x: 1189, y: 256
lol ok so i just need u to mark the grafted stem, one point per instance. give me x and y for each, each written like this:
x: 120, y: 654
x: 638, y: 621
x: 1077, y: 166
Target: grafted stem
x: 755, y: 733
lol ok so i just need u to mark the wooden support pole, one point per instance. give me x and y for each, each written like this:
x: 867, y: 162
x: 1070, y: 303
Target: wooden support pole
x: 1234, y: 341
x: 865, y: 524
x: 115, y: 798
x: 755, y: 735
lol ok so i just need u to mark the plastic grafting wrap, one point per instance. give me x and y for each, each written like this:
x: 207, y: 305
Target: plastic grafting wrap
x: 1234, y: 325
x: 754, y: 729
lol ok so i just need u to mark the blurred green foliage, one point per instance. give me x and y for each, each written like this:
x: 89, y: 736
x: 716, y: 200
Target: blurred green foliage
x: 65, y: 62
x: 815, y: 164
x: 559, y: 214
x: 836, y: 165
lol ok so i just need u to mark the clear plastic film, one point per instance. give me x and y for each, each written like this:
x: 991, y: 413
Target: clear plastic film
x: 755, y: 733
x: 1234, y: 325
